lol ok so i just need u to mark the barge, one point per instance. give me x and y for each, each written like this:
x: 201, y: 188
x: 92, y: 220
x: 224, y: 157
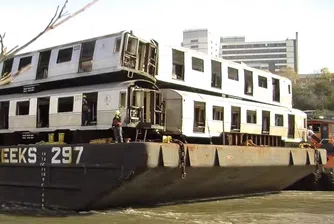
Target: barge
x: 183, y: 139
x: 85, y: 177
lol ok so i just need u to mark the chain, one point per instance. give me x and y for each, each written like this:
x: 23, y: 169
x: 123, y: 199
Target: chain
x: 316, y: 157
x: 182, y: 155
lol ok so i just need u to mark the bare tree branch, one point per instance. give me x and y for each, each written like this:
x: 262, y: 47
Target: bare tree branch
x: 2, y: 44
x: 74, y: 14
x: 11, y: 50
x: 54, y: 22
x: 8, y: 77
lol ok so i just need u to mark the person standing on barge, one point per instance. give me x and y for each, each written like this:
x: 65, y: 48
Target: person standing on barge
x: 117, y: 127
x: 309, y: 134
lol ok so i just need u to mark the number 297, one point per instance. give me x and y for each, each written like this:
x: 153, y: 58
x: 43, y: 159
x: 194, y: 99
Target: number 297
x: 64, y: 155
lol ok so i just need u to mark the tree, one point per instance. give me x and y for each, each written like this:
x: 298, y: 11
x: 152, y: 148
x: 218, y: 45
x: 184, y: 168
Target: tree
x: 325, y: 74
x: 322, y: 88
x: 61, y: 16
x: 316, y: 93
x: 303, y: 98
x: 289, y: 73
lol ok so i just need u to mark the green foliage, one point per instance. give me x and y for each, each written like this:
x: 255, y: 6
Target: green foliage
x: 316, y: 93
x: 303, y: 98
x: 325, y: 74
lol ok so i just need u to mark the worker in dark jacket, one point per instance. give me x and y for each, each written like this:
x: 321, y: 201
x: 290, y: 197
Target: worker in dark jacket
x: 117, y: 127
x: 85, y: 111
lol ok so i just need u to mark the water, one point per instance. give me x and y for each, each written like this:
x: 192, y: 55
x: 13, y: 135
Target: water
x: 287, y: 207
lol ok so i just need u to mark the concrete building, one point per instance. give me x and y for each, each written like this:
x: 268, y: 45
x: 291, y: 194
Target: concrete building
x: 266, y: 55
x: 201, y: 40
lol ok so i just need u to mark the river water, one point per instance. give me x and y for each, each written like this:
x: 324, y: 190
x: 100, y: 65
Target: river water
x: 286, y: 207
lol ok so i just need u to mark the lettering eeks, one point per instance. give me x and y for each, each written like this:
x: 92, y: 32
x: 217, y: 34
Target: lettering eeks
x: 19, y: 155
x: 59, y: 155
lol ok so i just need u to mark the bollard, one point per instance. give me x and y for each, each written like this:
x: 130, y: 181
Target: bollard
x: 51, y: 137
x: 61, y: 137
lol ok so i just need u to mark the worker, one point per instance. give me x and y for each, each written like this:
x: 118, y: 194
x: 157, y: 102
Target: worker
x: 117, y: 127
x: 85, y: 111
x: 309, y: 134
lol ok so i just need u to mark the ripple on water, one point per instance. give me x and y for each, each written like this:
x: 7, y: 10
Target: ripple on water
x: 287, y: 207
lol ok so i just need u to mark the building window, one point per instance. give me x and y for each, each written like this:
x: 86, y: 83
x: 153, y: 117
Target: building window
x: 251, y: 116
x: 178, y: 65
x: 194, y: 46
x: 233, y: 74
x: 262, y: 51
x: 194, y: 41
x: 218, y: 113
x: 197, y: 64
x: 279, y: 120
x: 263, y: 82
x: 65, y: 104
x: 24, y: 62
x: 289, y: 89
x: 199, y: 117
x: 65, y: 55
x: 216, y: 74
x: 22, y: 108
x: 122, y: 100
x: 242, y: 56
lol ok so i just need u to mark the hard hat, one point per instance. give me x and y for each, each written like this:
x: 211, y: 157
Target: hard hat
x: 310, y: 126
x: 84, y: 96
x: 117, y: 112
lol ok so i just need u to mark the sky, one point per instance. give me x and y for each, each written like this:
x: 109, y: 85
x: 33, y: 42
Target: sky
x: 165, y: 21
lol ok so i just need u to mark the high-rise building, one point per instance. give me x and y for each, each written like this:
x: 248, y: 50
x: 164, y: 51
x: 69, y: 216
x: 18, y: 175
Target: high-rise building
x: 201, y: 40
x: 266, y: 55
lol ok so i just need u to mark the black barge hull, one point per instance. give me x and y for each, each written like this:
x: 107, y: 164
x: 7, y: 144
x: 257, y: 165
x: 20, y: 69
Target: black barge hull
x: 90, y: 177
x: 321, y: 179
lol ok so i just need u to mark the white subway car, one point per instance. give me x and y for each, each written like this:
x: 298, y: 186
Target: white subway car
x: 139, y: 102
x: 201, y: 116
x: 181, y: 67
x: 119, y: 56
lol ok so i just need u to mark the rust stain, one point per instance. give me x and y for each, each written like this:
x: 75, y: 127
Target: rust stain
x: 330, y: 162
x: 229, y: 157
x: 191, y: 147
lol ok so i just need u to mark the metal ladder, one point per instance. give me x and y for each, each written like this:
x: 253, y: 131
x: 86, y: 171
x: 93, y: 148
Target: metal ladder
x: 137, y: 133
